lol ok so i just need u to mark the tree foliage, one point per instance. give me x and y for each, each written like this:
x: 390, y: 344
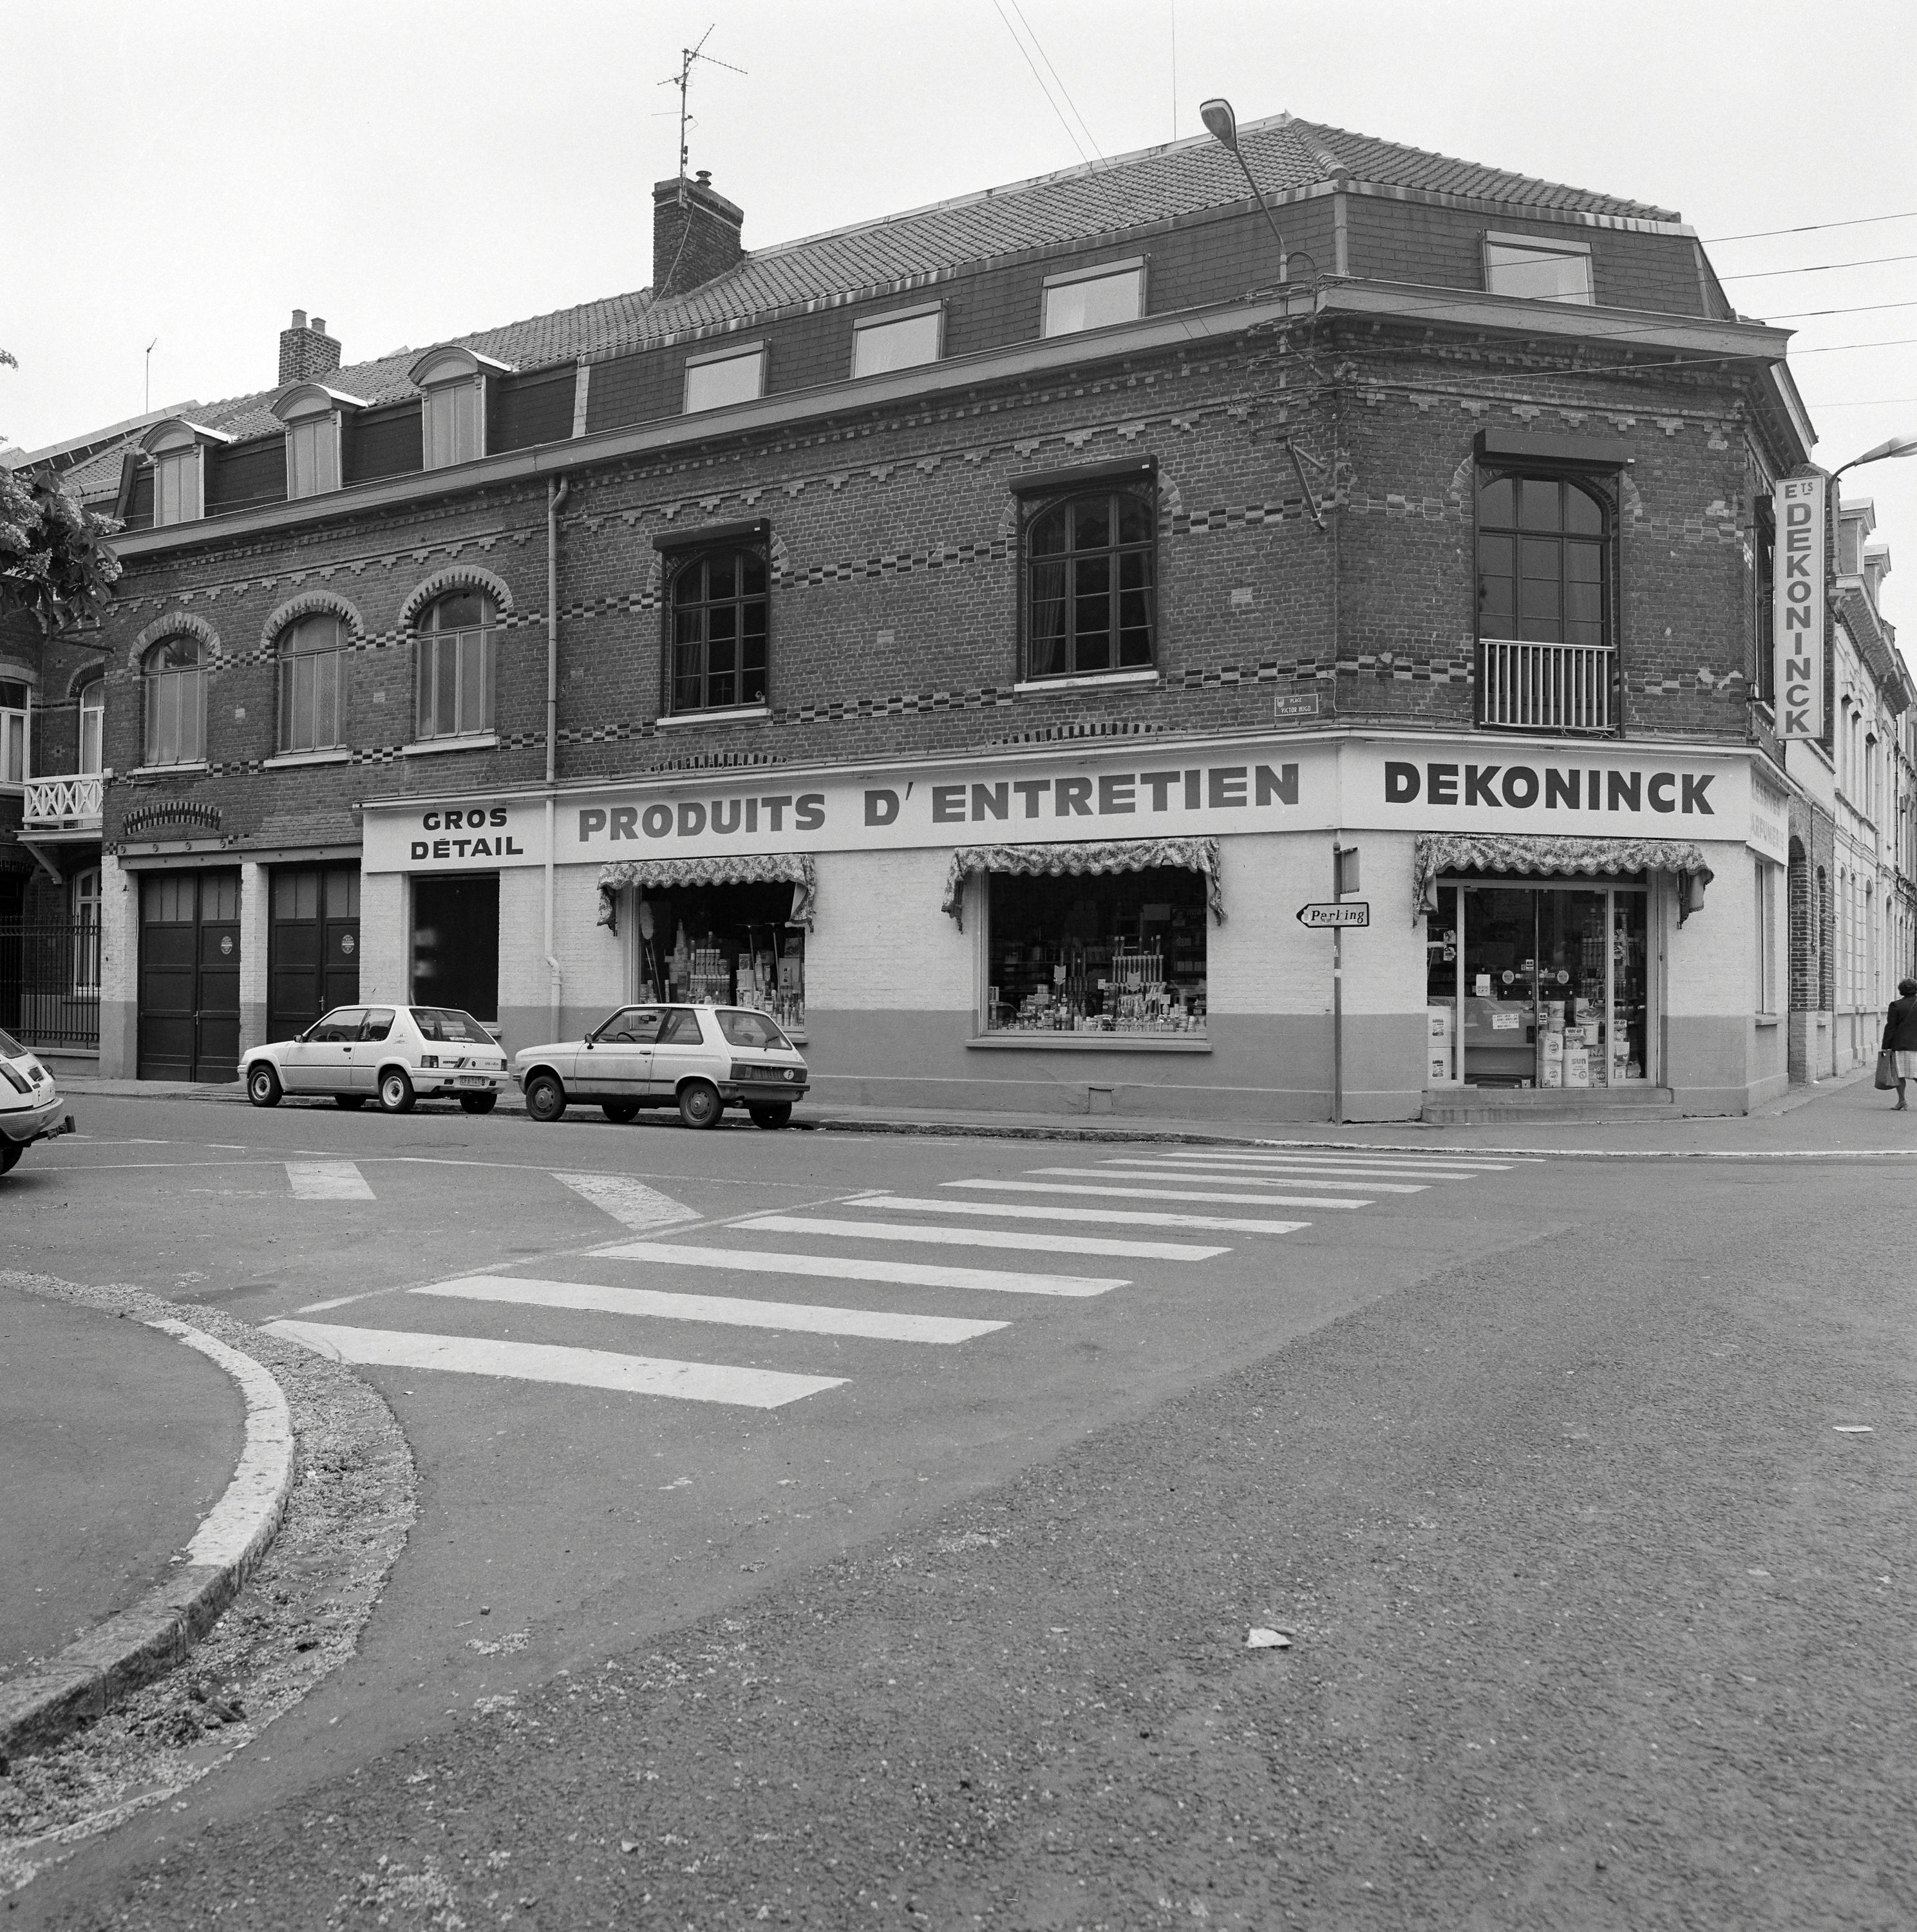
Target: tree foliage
x: 55, y: 561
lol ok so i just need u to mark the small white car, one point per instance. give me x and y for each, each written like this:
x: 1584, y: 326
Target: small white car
x: 29, y: 1103
x: 701, y: 1060
x: 391, y: 1054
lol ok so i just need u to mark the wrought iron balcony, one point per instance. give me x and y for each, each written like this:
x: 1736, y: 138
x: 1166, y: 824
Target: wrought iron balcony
x: 1542, y: 687
x: 71, y: 804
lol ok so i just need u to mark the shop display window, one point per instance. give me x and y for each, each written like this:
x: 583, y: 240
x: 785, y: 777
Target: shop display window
x: 456, y: 943
x: 1537, y: 986
x: 723, y: 946
x: 1122, y: 952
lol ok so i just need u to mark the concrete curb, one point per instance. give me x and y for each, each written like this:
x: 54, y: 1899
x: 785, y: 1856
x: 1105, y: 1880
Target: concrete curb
x: 142, y: 1642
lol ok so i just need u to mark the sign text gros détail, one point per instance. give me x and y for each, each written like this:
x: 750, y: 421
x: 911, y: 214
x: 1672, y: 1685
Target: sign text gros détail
x: 480, y: 837
x: 1574, y: 788
x: 1108, y: 795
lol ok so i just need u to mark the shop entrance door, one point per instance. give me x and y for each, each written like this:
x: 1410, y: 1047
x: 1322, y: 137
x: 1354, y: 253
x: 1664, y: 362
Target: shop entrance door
x: 456, y: 944
x: 312, y: 946
x: 189, y: 975
x: 1539, y: 986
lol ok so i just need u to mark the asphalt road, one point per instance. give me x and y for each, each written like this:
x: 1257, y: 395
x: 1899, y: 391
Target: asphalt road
x: 1598, y: 1617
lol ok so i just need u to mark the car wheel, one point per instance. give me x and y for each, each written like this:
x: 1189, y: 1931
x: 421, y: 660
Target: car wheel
x: 9, y: 1155
x: 478, y: 1103
x: 699, y: 1104
x: 262, y: 1086
x: 352, y: 1102
x: 619, y: 1111
x: 773, y: 1117
x: 396, y: 1095
x: 545, y: 1098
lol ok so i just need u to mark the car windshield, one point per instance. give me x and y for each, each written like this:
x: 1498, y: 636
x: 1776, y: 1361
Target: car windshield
x: 750, y: 1029
x: 449, y: 1023
x: 9, y: 1048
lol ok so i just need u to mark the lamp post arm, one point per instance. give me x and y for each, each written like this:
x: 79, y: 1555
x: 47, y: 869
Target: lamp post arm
x: 1265, y: 209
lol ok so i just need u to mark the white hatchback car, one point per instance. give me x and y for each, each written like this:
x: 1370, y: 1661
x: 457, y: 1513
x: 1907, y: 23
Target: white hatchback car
x: 393, y: 1054
x: 29, y: 1103
x: 700, y: 1060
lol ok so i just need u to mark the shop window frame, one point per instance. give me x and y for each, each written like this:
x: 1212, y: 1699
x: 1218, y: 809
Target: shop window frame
x: 1040, y: 497
x: 695, y: 551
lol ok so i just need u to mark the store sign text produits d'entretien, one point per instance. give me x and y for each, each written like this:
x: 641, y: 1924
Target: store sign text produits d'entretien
x: 1797, y: 606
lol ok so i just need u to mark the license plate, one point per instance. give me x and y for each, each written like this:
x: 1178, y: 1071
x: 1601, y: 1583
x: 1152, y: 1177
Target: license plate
x: 474, y: 1080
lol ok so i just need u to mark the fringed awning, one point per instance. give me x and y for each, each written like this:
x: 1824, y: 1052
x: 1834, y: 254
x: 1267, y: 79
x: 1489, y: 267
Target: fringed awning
x: 1439, y: 852
x: 795, y: 869
x: 1116, y: 855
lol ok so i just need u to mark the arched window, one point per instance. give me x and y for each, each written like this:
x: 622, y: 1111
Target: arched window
x: 455, y: 665
x: 175, y: 679
x: 312, y: 655
x: 719, y: 611
x: 1090, y: 568
x: 1543, y: 561
x: 93, y: 727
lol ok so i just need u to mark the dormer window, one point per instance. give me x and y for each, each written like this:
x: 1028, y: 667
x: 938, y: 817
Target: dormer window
x: 903, y: 339
x: 315, y: 417
x: 177, y: 448
x: 1539, y: 266
x: 725, y: 376
x: 455, y: 386
x: 1081, y: 299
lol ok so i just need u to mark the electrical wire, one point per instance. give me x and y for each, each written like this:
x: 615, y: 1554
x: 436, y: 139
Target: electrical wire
x: 1835, y: 348
x: 1810, y: 228
x: 1053, y: 72
x: 1043, y: 88
x: 1816, y: 267
x: 1861, y: 308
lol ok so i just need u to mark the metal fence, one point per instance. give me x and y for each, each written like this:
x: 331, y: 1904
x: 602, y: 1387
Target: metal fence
x: 50, y: 982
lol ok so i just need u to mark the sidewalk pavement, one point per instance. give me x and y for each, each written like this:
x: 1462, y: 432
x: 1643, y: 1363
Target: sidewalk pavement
x: 1846, y: 1115
x: 118, y: 1442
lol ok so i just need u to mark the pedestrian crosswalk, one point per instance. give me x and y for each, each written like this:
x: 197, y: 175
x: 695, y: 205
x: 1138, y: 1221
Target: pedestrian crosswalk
x: 1053, y: 1224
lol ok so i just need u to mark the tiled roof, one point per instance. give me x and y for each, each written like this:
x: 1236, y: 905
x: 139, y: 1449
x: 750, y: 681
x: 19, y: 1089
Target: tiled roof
x: 1078, y: 204
x: 1105, y: 197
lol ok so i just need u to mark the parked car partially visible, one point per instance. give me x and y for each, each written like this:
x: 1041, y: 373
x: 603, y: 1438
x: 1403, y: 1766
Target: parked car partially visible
x: 391, y: 1054
x: 30, y: 1109
x: 701, y: 1060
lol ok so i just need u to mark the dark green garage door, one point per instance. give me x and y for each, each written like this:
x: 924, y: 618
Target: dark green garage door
x: 312, y: 948
x: 189, y: 975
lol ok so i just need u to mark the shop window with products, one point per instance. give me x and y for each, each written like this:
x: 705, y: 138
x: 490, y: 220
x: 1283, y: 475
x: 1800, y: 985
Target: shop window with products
x: 1538, y: 985
x: 723, y: 945
x: 456, y: 943
x: 1121, y: 953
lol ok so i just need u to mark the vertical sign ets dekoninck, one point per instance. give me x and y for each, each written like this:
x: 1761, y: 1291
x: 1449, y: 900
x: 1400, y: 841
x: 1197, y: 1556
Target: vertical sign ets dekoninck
x: 1797, y: 628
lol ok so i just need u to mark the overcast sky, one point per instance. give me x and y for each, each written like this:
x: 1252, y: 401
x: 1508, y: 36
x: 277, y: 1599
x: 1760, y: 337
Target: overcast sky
x: 194, y: 169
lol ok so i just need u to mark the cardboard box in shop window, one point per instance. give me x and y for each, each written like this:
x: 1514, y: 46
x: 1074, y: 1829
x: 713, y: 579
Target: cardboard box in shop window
x: 1577, y: 1067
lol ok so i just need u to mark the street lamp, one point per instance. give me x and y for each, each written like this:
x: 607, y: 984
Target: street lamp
x: 1223, y: 125
x: 1898, y: 446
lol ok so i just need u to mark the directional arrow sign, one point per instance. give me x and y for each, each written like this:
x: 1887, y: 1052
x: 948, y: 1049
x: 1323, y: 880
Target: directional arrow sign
x: 1324, y: 913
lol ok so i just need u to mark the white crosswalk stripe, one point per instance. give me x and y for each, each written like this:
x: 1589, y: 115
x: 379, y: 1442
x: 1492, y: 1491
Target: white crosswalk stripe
x: 978, y: 1237
x: 860, y: 1267
x: 631, y: 1203
x: 1261, y: 1163
x: 327, y: 1180
x: 1105, y: 1216
x: 1237, y: 1179
x: 1152, y: 1193
x: 545, y: 1362
x: 1244, y: 1176
x: 797, y: 1318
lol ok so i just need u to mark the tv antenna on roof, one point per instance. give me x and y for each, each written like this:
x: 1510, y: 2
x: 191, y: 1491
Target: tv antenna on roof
x: 682, y: 80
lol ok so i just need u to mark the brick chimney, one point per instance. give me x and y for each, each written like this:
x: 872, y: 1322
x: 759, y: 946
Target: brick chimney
x: 307, y: 353
x: 695, y: 234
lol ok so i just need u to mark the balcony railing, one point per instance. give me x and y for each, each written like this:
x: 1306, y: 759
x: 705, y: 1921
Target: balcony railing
x: 1538, y: 687
x: 63, y: 805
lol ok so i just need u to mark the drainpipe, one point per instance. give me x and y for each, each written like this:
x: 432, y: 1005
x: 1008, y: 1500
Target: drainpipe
x: 556, y: 494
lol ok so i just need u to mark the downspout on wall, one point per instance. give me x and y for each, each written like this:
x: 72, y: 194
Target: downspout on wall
x: 555, y: 495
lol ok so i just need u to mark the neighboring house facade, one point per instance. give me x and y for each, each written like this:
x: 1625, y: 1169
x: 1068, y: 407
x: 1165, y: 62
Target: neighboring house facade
x: 968, y: 635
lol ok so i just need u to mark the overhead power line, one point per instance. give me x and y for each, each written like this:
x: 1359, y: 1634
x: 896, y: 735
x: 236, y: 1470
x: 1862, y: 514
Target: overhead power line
x: 1833, y: 348
x: 1860, y: 308
x: 1810, y: 228
x: 1084, y: 125
x: 1070, y: 135
x: 1816, y: 267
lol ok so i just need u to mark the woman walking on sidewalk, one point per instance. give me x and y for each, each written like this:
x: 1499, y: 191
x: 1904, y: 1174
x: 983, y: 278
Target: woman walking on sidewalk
x: 1901, y: 1038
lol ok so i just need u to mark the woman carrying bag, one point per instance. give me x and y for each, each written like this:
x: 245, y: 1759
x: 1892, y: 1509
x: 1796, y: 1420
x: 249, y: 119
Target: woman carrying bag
x: 1899, y: 1056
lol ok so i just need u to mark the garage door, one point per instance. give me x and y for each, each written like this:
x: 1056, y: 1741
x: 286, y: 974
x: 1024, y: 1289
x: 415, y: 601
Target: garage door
x: 189, y: 975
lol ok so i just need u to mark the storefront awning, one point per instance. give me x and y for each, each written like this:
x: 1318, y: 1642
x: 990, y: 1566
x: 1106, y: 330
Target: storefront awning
x: 1116, y: 855
x: 765, y: 868
x: 1435, y: 852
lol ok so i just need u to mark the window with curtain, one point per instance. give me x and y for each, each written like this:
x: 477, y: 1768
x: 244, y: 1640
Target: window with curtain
x: 312, y: 656
x: 455, y: 666
x: 453, y: 424
x: 1543, y: 560
x: 1090, y: 582
x: 718, y: 614
x: 93, y: 727
x: 175, y: 676
x: 313, y: 455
